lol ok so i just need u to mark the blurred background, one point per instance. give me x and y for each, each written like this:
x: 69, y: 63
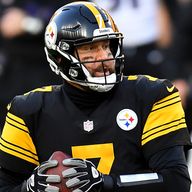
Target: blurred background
x: 157, y: 42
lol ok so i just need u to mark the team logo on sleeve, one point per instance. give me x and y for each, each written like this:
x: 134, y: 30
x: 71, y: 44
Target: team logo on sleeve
x: 127, y: 119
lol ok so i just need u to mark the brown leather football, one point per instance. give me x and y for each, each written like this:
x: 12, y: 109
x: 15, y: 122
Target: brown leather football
x: 59, y: 156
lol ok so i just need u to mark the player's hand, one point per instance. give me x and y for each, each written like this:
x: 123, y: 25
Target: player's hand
x: 40, y: 181
x: 82, y: 175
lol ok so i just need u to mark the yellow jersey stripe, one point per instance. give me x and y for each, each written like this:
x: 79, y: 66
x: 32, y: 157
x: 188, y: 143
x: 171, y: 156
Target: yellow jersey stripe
x: 172, y: 96
x: 16, y: 124
x: 166, y: 116
x: 15, y: 118
x: 163, y: 127
x: 96, y: 13
x: 163, y: 115
x: 18, y: 143
x: 132, y: 77
x: 151, y: 78
x: 8, y: 106
x: 18, y: 152
x: 42, y: 89
x: 164, y: 132
x: 167, y: 101
x: 163, y: 105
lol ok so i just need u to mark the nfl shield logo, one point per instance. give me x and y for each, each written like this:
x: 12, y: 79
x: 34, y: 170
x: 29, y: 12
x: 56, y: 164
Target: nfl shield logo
x: 88, y: 125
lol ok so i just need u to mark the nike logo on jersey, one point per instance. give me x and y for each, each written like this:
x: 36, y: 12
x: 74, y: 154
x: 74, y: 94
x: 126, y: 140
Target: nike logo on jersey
x: 170, y: 89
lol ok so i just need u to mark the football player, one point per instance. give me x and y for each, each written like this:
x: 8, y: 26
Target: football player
x: 123, y: 133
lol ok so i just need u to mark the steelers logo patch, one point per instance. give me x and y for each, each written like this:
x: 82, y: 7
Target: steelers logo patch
x: 51, y: 35
x: 127, y: 119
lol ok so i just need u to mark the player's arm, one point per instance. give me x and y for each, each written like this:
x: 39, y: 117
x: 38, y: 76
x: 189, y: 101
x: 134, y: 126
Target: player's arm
x: 168, y: 172
x: 10, y: 181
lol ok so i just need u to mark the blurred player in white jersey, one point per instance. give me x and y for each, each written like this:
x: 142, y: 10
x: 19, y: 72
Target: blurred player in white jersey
x: 146, y: 28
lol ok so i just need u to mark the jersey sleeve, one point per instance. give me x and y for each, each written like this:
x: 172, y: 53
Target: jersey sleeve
x: 17, y: 149
x: 165, y: 124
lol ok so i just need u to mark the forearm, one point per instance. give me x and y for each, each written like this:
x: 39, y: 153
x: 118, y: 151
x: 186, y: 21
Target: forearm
x: 10, y: 182
x: 11, y: 188
x: 171, y: 175
x: 134, y: 182
x: 151, y: 182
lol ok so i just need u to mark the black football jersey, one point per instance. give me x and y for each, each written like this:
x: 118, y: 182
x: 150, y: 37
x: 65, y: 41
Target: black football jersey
x: 142, y: 116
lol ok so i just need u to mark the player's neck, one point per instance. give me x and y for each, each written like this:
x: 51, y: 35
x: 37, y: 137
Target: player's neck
x: 87, y: 100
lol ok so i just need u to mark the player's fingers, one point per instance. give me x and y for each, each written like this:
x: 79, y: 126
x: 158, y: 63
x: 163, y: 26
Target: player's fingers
x: 72, y: 172
x: 74, y: 162
x: 48, y: 188
x: 46, y: 165
x: 74, y: 182
x: 51, y: 188
x: 53, y: 179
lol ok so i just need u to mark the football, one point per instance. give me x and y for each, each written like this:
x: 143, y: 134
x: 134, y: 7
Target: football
x: 59, y: 156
